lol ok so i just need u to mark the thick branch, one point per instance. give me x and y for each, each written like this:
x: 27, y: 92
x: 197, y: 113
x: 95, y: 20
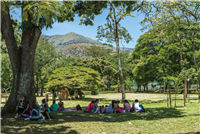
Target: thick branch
x: 8, y: 34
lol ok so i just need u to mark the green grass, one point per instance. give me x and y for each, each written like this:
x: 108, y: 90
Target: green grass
x: 160, y: 119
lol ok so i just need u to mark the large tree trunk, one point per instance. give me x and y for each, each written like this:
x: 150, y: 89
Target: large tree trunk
x: 22, y: 60
x: 119, y: 63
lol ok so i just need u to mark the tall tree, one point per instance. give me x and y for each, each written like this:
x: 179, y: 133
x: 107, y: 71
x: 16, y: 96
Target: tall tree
x: 112, y: 30
x: 45, y: 54
x: 36, y: 15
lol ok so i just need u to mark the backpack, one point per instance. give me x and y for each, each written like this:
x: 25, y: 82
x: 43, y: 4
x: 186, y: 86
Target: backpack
x: 78, y: 107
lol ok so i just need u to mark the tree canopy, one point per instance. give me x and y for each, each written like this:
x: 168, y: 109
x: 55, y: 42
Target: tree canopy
x: 76, y: 78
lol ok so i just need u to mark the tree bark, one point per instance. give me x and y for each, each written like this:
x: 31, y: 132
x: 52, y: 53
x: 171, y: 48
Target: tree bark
x: 42, y: 90
x: 22, y: 60
x: 119, y: 62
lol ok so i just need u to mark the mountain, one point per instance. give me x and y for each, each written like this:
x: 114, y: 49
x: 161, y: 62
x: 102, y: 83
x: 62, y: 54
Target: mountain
x: 62, y: 41
x: 70, y: 38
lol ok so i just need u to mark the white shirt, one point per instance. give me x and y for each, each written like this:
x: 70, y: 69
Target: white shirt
x: 136, y: 106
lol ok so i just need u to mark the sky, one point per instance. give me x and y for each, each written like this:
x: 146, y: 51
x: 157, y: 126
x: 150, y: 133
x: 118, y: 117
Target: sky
x: 130, y: 23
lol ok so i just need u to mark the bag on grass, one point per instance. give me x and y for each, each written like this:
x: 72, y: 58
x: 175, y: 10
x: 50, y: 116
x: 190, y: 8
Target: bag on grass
x: 78, y: 107
x: 25, y: 115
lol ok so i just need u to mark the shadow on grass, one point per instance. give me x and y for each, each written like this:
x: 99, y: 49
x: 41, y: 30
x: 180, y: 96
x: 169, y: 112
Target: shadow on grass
x: 61, y: 121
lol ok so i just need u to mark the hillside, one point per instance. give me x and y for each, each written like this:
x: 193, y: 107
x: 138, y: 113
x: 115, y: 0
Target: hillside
x: 70, y: 38
x: 63, y: 42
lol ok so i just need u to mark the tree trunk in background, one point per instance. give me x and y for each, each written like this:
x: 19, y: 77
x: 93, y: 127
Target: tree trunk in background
x: 119, y: 62
x: 144, y: 88
x: 147, y: 88
x: 79, y: 93
x: 167, y: 97
x: 181, y: 58
x: 37, y: 86
x: 42, y: 90
x: 164, y: 87
x: 185, y: 92
x: 170, y: 100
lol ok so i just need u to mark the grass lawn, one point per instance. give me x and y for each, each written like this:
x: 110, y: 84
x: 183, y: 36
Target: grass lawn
x: 160, y: 119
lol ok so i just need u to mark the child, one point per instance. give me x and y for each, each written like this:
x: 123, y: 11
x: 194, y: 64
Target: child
x: 105, y: 108
x: 54, y: 106
x: 102, y: 109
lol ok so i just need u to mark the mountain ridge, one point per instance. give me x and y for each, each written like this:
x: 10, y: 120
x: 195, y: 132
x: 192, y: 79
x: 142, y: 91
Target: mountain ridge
x: 61, y: 41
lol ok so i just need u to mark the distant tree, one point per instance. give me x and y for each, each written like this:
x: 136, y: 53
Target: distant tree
x: 6, y: 72
x: 78, y: 78
x: 97, y: 51
x: 107, y: 72
x: 45, y: 55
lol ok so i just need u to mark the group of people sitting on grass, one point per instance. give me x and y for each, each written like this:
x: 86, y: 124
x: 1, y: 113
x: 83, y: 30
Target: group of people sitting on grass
x: 42, y: 112
x: 114, y: 107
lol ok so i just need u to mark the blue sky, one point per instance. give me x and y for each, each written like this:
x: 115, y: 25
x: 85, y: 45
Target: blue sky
x: 130, y: 23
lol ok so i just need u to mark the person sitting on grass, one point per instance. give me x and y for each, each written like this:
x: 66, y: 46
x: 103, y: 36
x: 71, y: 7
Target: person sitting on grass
x: 102, y: 109
x: 118, y: 109
x: 137, y: 107
x: 41, y: 106
x: 23, y: 107
x: 54, y: 106
x: 60, y: 105
x: 111, y: 107
x: 127, y: 106
x: 90, y: 107
x: 41, y: 115
x: 96, y: 106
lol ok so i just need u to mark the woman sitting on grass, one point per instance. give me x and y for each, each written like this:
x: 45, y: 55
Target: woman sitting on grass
x: 112, y: 107
x: 23, y: 107
x: 90, y: 107
x: 127, y: 106
x: 41, y: 115
x: 54, y: 106
x: 60, y: 105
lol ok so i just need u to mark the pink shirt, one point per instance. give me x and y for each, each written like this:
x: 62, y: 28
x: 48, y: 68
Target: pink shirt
x: 127, y: 106
x: 102, y: 109
x: 90, y: 107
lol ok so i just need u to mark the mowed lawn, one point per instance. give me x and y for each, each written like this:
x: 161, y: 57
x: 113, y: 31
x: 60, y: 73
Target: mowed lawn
x: 160, y: 119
